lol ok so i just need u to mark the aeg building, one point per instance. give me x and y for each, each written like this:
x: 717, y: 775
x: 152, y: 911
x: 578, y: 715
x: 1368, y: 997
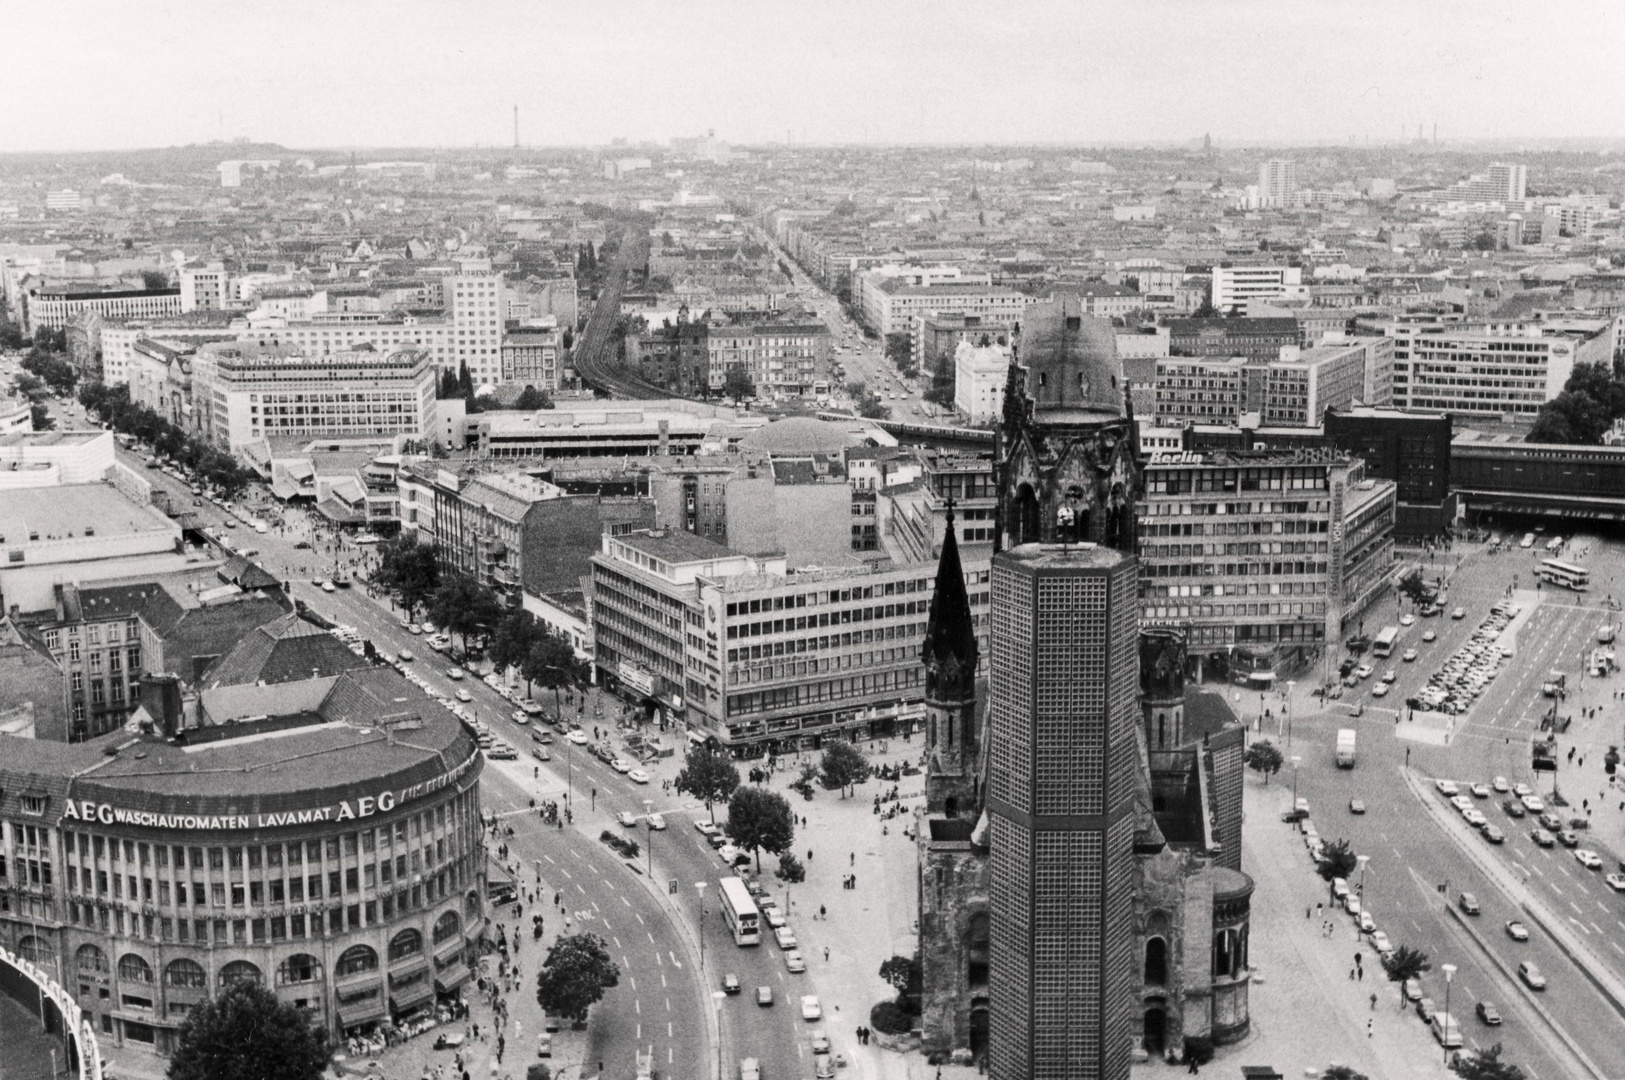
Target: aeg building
x: 330, y: 851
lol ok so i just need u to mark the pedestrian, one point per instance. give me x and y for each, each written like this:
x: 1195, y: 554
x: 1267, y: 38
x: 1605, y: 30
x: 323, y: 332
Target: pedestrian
x: 1195, y: 1068
x: 1351, y: 974
x: 809, y: 854
x: 1360, y: 972
x: 852, y: 859
x: 1368, y: 1028
x: 821, y: 911
x: 826, y: 954
x: 1373, y: 1002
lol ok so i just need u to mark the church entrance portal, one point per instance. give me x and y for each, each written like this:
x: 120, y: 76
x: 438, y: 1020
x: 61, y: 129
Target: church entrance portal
x: 1156, y: 1032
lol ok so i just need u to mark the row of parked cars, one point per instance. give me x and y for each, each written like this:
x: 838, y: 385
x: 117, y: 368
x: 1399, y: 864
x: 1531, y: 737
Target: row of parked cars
x: 1468, y: 671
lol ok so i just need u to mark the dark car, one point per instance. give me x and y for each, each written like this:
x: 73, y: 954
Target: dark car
x: 1568, y: 839
x: 1513, y: 808
x: 1294, y: 816
x: 1488, y: 1013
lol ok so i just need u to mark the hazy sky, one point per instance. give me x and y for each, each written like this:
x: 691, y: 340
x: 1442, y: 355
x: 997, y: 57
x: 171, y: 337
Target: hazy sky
x: 102, y: 74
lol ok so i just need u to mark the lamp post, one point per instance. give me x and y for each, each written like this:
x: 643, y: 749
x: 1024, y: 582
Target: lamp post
x: 1286, y: 707
x: 648, y: 810
x: 1295, y: 759
x: 699, y: 887
x: 1364, y: 907
x: 1449, y: 976
x: 716, y: 1006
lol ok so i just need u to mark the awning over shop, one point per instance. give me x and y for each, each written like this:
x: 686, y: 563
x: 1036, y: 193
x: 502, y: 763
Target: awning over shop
x: 356, y: 1013
x: 451, y: 978
x: 404, y: 999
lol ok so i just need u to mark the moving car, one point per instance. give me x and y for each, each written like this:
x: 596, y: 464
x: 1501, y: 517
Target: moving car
x: 455, y: 674
x: 1408, y: 655
x: 1516, y: 930
x: 730, y: 983
x: 1479, y: 791
x: 657, y: 822
x: 1489, y: 1014
x: 810, y: 1009
x: 638, y: 776
x: 1468, y: 903
x: 793, y: 962
x: 764, y: 995
x: 1588, y: 858
x: 621, y: 765
x: 626, y: 818
x: 785, y: 937
x: 578, y: 737
x: 1616, y: 882
x: 462, y: 695
x: 1494, y: 835
x: 705, y: 828
x: 1543, y: 838
x: 749, y: 1069
x: 1531, y: 976
x: 1513, y: 808
x: 1356, y: 806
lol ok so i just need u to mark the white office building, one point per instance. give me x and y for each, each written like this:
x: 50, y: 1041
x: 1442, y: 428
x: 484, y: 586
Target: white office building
x: 474, y: 305
x: 1277, y: 183
x: 1233, y: 286
x: 979, y: 375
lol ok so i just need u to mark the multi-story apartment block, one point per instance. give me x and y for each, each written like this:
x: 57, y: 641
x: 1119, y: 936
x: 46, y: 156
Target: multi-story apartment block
x: 1488, y: 368
x: 204, y: 286
x: 979, y: 376
x: 243, y: 393
x: 1336, y: 374
x: 1277, y: 183
x: 53, y: 308
x: 326, y: 333
x: 1233, y: 286
x: 935, y: 338
x: 531, y: 353
x: 94, y: 634
x: 1261, y: 556
x: 119, y: 360
x: 1202, y: 391
x: 473, y: 298
x: 1256, y: 339
x: 740, y: 648
x: 1104, y: 301
x: 675, y: 357
x: 894, y: 303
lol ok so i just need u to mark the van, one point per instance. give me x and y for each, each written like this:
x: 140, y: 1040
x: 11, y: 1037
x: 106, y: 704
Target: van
x: 1445, y: 1030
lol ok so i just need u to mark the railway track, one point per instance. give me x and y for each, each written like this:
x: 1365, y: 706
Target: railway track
x: 590, y: 356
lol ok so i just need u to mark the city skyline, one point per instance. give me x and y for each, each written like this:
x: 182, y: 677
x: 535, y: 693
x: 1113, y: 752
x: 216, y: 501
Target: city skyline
x: 366, y: 75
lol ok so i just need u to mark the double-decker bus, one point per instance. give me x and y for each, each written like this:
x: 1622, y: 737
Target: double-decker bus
x: 1566, y: 575
x: 1383, y: 645
x: 739, y: 909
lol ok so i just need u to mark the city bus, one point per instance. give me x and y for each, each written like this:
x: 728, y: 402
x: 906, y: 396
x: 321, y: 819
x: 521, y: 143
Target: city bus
x: 1566, y: 575
x: 1383, y: 645
x: 740, y: 912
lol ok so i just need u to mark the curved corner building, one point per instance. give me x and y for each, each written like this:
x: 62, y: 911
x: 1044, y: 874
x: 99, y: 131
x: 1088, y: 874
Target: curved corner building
x: 333, y: 854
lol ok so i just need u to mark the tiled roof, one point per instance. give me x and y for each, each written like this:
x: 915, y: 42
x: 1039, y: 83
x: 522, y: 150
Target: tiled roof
x: 287, y: 649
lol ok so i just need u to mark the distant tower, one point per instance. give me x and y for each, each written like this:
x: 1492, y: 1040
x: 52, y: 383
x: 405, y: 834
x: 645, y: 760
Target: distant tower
x: 1063, y: 766
x: 952, y: 785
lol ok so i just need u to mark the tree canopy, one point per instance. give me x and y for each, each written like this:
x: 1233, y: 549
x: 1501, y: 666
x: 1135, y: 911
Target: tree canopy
x: 709, y: 775
x: 464, y: 607
x: 247, y: 1034
x: 843, y: 766
x: 552, y: 664
x: 408, y: 571
x: 1337, y: 860
x: 530, y: 399
x: 1264, y: 758
x: 737, y: 384
x: 573, y: 978
x: 1487, y: 1065
x: 1592, y: 399
x: 758, y: 819
x: 1405, y: 963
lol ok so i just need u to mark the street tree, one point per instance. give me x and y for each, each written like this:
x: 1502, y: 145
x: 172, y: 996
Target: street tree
x: 511, y: 639
x: 709, y: 775
x: 1337, y: 860
x: 1341, y: 1072
x: 409, y: 572
x: 903, y: 974
x: 573, y: 978
x: 758, y: 819
x: 530, y: 399
x: 790, y: 869
x: 40, y: 417
x: 245, y: 1033
x: 553, y: 665
x: 737, y: 384
x: 843, y: 766
x: 1264, y: 758
x: 1487, y: 1065
x: 1405, y: 963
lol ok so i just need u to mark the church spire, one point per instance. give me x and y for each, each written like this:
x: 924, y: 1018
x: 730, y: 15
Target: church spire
x: 949, y: 651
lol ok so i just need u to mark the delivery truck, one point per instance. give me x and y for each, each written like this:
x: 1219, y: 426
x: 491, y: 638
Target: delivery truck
x: 1345, y: 748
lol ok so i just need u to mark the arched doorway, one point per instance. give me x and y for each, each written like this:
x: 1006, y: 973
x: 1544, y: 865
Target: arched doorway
x: 1156, y: 961
x: 1155, y: 1036
x: 978, y: 1030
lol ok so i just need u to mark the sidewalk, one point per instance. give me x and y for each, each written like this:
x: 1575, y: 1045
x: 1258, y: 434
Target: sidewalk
x: 1307, y: 1014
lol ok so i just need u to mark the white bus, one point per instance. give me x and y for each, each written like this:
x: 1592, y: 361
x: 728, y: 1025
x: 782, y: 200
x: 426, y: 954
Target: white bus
x: 739, y: 909
x: 1384, y: 643
x: 1566, y: 575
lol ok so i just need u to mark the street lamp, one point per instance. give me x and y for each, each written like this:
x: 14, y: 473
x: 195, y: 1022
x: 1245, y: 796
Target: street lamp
x: 648, y: 811
x: 1286, y: 707
x: 1295, y: 759
x: 1449, y: 975
x: 716, y: 1005
x: 699, y: 886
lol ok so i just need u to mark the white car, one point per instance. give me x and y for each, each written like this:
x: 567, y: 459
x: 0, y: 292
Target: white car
x: 1533, y: 804
x: 1500, y: 784
x: 1447, y: 787
x: 639, y: 776
x: 1479, y: 791
x: 793, y: 962
x: 1363, y: 671
x: 1408, y: 656
x: 1407, y: 619
x: 627, y: 818
x: 463, y: 695
x: 1380, y: 690
x: 706, y: 828
x: 785, y: 937
x: 327, y: 586
x: 775, y: 917
x: 621, y: 765
x: 578, y: 737
x: 1588, y: 858
x: 657, y: 822
x: 810, y: 1009
x: 1390, y: 675
x: 1380, y: 942
x: 1616, y: 882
